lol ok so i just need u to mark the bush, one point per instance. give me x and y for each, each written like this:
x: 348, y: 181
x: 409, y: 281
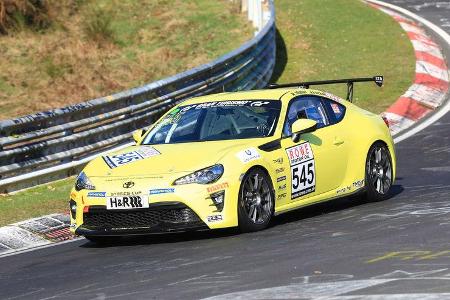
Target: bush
x: 98, y: 26
x: 21, y: 14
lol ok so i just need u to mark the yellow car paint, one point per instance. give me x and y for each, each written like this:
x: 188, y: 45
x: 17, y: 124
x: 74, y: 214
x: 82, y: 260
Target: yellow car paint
x: 339, y: 151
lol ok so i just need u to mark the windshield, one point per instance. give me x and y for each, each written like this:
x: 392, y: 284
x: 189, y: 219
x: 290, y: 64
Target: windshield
x: 213, y: 121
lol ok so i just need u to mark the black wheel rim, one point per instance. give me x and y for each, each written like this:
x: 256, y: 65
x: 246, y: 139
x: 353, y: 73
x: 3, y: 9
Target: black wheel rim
x: 257, y: 198
x: 380, y: 170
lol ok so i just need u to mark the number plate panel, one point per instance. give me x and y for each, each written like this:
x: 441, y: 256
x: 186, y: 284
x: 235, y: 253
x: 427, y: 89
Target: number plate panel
x: 303, y: 179
x: 303, y: 170
x: 127, y: 202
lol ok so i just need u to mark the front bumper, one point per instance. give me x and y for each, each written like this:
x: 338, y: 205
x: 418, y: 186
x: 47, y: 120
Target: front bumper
x: 158, y: 218
x: 193, y: 198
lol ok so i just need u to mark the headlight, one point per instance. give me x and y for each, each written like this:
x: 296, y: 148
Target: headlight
x: 203, y: 176
x: 83, y: 183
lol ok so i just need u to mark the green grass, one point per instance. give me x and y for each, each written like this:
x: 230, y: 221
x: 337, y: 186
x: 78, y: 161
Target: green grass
x: 93, y: 48
x: 328, y: 39
x: 335, y: 39
x: 35, y: 202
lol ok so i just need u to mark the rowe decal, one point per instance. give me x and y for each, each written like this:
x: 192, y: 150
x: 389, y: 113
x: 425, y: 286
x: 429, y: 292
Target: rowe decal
x: 114, y: 161
x: 303, y: 172
x: 299, y: 153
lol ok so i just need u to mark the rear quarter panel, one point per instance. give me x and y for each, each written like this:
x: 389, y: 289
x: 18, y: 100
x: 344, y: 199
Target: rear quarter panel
x: 363, y: 129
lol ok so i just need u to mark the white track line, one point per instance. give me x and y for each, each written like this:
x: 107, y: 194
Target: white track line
x: 39, y: 247
x: 439, y: 113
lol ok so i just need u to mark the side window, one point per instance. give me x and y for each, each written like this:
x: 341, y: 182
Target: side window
x: 306, y: 107
x: 335, y: 110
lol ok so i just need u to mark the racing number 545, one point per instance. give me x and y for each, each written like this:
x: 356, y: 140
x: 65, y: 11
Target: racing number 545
x: 306, y: 176
x: 303, y: 178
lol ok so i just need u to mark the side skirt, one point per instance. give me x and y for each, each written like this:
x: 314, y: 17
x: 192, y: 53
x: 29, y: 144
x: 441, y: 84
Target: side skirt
x: 359, y: 191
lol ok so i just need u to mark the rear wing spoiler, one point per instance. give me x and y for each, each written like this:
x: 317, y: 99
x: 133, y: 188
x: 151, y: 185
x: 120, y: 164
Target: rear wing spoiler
x: 377, y: 79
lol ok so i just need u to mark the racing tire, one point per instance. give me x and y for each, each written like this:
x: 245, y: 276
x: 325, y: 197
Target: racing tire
x: 255, y: 201
x: 103, y: 240
x: 378, y: 174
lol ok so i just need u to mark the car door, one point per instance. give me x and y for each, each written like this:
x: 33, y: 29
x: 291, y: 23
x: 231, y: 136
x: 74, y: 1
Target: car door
x: 317, y: 162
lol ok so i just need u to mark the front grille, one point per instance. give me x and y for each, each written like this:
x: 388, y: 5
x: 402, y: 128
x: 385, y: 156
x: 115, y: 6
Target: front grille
x: 142, y: 218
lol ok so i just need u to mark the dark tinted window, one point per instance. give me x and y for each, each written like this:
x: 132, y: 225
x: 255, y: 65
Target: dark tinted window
x: 219, y: 120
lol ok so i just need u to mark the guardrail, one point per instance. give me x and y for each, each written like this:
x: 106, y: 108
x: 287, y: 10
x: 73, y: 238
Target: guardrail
x: 46, y: 146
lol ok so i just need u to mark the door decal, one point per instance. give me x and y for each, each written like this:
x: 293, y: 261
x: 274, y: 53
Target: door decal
x: 303, y: 171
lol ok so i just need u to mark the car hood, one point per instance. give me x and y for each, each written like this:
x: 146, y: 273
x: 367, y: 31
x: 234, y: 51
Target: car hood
x: 165, y: 158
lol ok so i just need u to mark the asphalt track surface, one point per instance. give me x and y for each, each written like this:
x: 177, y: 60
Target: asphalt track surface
x: 344, y: 249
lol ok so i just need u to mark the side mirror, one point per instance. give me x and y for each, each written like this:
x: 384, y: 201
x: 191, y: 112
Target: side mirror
x: 137, y: 135
x: 302, y: 126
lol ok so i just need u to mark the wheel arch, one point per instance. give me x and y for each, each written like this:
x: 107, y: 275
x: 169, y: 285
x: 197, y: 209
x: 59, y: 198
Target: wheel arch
x: 390, y: 146
x: 242, y: 221
x: 264, y: 169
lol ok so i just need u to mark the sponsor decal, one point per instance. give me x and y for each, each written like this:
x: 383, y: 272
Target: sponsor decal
x: 128, y: 184
x: 134, y: 193
x: 96, y: 194
x: 279, y: 179
x: 336, y: 108
x: 215, y: 218
x: 217, y: 187
x: 344, y: 190
x: 226, y: 104
x: 161, y: 191
x: 281, y: 196
x: 126, y: 202
x: 307, y: 92
x: 114, y: 161
x: 303, y: 172
x: 279, y: 170
x: 114, y: 179
x: 282, y: 187
x: 278, y: 160
x: 355, y: 185
x: 248, y: 155
x: 333, y: 97
x: 358, y: 183
x: 299, y: 153
x: 317, y: 93
x: 299, y: 92
x: 259, y: 103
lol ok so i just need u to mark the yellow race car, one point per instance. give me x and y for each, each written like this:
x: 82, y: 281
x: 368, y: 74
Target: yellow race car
x: 236, y: 159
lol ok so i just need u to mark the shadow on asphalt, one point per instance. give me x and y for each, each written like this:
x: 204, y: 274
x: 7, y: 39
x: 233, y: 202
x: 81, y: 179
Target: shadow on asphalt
x: 290, y: 217
x: 166, y: 238
x: 327, y: 207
